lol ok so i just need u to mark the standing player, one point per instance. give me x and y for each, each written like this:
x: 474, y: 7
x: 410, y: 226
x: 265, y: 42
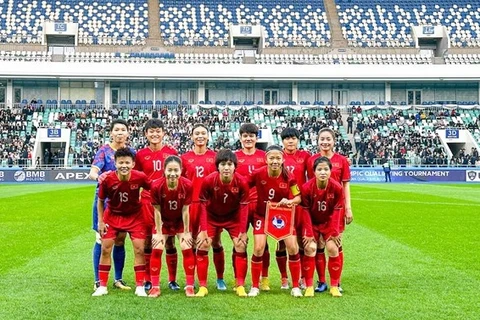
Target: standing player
x: 322, y: 198
x: 197, y: 164
x: 249, y: 159
x: 104, y: 161
x: 295, y: 163
x: 150, y: 160
x: 171, y: 197
x: 224, y: 205
x: 341, y: 174
x: 123, y: 214
x: 273, y: 184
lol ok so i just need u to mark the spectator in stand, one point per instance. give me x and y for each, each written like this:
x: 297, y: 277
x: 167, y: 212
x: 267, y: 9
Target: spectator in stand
x: 349, y: 124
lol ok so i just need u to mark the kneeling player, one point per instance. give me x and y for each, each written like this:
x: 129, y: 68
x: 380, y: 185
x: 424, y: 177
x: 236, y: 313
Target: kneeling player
x: 323, y: 199
x: 123, y: 214
x: 171, y: 198
x: 224, y: 205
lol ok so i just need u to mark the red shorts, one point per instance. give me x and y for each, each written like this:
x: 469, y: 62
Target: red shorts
x: 133, y: 224
x: 194, y: 211
x: 322, y: 230
x: 342, y: 220
x: 298, y: 221
x: 148, y: 213
x: 170, y: 229
x: 258, y: 225
x: 215, y: 228
x: 252, y: 208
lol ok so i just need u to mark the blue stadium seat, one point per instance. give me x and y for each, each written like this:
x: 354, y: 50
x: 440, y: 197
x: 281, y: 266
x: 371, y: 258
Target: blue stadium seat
x: 200, y: 23
x: 388, y: 23
x: 115, y: 21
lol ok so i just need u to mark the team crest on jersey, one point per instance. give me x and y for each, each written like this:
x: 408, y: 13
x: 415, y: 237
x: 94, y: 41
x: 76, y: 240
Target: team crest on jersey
x: 235, y: 190
x: 181, y: 196
x: 282, y: 185
x: 210, y: 160
x: 330, y: 196
x: 336, y: 165
x: 300, y: 160
x: 259, y: 159
x: 263, y: 182
x: 134, y: 187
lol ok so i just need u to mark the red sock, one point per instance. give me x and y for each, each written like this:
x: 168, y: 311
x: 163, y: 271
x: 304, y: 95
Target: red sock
x: 320, y: 264
x: 148, y: 254
x: 281, y: 257
x: 308, y: 269
x: 340, y: 254
x: 103, y: 271
x: 266, y: 262
x: 189, y: 266
x: 202, y: 267
x: 256, y: 266
x: 219, y: 261
x: 155, y: 266
x: 139, y: 274
x: 335, y: 270
x: 294, y: 265
x: 241, y: 265
x: 172, y: 261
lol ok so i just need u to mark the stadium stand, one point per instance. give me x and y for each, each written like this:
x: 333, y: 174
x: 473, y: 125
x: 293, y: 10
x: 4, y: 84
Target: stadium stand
x: 287, y: 23
x: 220, y: 58
x: 35, y: 56
x: 343, y: 59
x: 470, y: 58
x: 100, y: 22
x: 406, y: 136
x: 388, y: 23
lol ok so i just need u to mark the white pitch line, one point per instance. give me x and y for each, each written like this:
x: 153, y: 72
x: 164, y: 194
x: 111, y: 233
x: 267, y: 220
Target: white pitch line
x: 420, y: 202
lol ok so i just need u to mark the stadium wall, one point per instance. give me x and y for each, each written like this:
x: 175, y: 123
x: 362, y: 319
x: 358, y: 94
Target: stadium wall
x: 258, y: 72
x: 359, y: 175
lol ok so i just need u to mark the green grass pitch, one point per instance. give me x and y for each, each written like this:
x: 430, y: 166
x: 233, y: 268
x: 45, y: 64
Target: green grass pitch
x: 411, y: 253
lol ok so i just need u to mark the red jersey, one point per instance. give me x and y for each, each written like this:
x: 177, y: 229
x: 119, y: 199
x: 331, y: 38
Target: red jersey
x: 340, y: 167
x: 151, y: 163
x: 323, y: 205
x: 224, y: 202
x: 296, y: 164
x: 271, y: 189
x: 196, y: 167
x: 171, y: 202
x: 247, y: 163
x: 123, y: 196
